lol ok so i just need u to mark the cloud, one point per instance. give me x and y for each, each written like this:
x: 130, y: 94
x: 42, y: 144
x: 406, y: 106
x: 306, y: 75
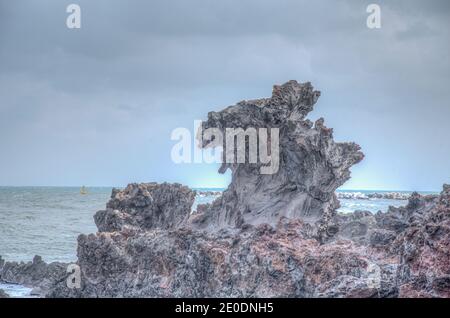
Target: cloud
x: 97, y: 105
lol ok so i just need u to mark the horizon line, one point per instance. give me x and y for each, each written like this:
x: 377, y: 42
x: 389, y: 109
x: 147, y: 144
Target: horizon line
x: 222, y: 188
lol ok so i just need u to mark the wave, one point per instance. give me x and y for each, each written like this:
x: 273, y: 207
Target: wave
x: 353, y: 195
x: 373, y: 195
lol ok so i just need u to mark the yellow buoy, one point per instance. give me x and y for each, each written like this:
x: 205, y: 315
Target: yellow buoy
x: 83, y: 190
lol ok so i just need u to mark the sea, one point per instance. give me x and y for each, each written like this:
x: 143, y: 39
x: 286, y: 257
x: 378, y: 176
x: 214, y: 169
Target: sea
x: 46, y: 221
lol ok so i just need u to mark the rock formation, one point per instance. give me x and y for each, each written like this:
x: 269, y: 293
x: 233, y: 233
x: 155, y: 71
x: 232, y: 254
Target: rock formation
x: 3, y: 294
x: 267, y: 236
x: 260, y: 261
x: 311, y: 165
x: 424, y: 247
x: 37, y: 274
x: 411, y: 259
x: 145, y: 206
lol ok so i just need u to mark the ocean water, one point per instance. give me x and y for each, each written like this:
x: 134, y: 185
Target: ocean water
x: 362, y: 202
x: 46, y: 221
x: 372, y: 205
x: 16, y: 291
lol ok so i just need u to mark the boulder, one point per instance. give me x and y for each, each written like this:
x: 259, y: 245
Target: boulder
x: 146, y: 206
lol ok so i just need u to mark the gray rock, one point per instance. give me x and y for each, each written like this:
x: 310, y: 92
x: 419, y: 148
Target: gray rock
x: 34, y: 274
x: 312, y: 166
x: 37, y: 291
x: 3, y: 294
x: 258, y: 261
x: 381, y: 238
x: 146, y: 206
x: 354, y: 226
x: 424, y: 247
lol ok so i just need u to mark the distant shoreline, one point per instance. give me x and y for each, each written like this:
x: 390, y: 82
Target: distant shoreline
x: 219, y: 189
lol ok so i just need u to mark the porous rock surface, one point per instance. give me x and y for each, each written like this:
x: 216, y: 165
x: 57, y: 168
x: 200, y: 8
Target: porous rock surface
x: 259, y: 261
x: 145, y: 206
x: 424, y: 248
x: 311, y: 165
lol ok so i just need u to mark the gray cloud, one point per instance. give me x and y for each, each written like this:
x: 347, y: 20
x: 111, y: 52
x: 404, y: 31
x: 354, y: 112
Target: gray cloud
x: 97, y: 105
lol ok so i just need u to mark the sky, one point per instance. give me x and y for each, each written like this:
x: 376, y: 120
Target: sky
x: 96, y: 106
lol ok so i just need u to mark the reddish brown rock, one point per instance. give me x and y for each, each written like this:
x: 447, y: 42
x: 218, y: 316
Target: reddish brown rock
x: 424, y: 250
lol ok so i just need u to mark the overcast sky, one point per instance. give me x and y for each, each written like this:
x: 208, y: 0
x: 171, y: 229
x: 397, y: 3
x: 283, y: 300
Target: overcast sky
x: 96, y: 105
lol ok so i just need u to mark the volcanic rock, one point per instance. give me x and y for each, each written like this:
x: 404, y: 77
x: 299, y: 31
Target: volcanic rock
x: 424, y: 248
x: 259, y: 261
x: 274, y: 261
x: 34, y: 274
x: 311, y: 165
x: 146, y: 206
x: 3, y: 294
